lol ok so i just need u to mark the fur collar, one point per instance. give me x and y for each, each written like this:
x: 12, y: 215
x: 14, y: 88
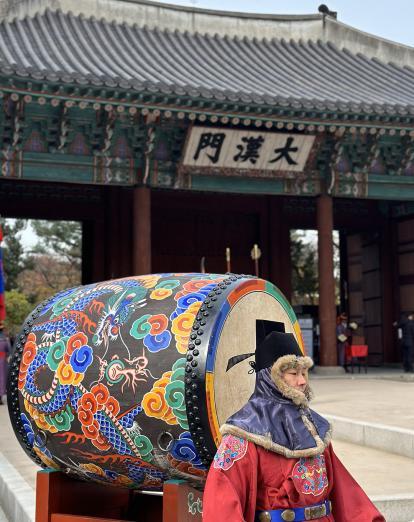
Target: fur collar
x: 265, y: 441
x: 279, y: 420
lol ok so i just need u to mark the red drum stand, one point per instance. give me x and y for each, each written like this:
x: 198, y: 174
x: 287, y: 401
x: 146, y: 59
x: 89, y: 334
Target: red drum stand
x: 60, y: 498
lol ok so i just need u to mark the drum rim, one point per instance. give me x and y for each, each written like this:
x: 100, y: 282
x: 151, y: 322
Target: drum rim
x: 13, y: 400
x: 196, y: 367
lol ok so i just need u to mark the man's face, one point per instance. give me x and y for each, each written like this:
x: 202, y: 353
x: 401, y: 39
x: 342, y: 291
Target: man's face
x: 296, y: 378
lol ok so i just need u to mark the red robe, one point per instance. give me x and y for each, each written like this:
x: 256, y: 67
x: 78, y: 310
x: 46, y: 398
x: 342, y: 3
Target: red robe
x: 245, y: 477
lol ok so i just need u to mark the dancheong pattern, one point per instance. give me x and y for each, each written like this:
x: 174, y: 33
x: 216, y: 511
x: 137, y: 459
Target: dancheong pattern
x: 101, y: 379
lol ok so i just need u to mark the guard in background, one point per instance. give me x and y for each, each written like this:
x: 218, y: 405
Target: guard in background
x: 342, y: 334
x: 275, y: 461
x: 406, y: 335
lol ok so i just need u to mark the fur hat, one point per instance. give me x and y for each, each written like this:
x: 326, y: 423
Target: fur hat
x: 274, y: 346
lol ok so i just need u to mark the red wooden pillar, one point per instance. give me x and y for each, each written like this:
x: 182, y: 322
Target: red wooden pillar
x: 141, y: 233
x: 388, y: 273
x: 280, y: 266
x: 112, y: 224
x: 327, y: 310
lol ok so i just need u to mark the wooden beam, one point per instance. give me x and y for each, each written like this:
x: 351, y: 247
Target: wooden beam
x: 141, y: 233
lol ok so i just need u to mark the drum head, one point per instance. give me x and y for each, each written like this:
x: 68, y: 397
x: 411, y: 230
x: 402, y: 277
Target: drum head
x: 233, y: 387
x: 247, y: 305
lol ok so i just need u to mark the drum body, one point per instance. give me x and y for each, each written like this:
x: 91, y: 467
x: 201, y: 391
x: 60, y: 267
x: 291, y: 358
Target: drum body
x: 127, y: 381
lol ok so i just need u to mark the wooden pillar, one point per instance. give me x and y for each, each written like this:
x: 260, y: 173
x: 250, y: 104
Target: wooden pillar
x: 280, y: 266
x: 389, y: 264
x: 112, y: 226
x: 286, y: 262
x: 141, y: 233
x: 125, y: 232
x: 327, y: 311
x: 343, y: 270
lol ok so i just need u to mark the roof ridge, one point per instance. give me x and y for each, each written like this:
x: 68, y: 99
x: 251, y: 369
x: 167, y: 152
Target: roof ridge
x: 43, y: 4
x: 156, y: 14
x: 225, y: 23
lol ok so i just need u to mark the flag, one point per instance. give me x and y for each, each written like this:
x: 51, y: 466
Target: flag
x: 2, y: 301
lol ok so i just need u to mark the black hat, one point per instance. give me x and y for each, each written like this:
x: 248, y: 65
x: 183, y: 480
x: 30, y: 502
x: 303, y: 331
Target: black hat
x: 274, y: 346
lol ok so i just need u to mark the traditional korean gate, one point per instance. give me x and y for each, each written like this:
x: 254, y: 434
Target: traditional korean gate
x: 365, y: 299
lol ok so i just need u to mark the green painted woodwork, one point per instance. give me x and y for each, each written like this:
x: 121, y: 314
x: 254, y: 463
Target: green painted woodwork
x: 375, y: 186
x: 46, y: 167
x: 391, y: 187
x: 186, y: 104
x: 87, y: 135
x: 77, y: 169
x: 376, y: 154
x: 238, y: 185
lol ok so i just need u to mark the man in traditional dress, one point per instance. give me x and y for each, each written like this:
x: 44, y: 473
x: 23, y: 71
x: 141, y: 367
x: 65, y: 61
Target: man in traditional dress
x: 406, y: 334
x: 275, y: 461
x: 342, y: 334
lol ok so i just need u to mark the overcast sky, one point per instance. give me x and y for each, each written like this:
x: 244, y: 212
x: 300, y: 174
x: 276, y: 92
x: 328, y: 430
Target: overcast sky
x: 393, y: 20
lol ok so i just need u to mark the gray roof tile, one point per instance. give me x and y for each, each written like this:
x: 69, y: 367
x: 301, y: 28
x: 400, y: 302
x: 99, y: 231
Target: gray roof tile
x: 74, y: 49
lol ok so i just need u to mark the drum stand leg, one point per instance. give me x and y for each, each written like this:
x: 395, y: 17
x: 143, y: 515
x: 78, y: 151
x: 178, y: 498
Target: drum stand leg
x: 181, y: 502
x: 60, y: 498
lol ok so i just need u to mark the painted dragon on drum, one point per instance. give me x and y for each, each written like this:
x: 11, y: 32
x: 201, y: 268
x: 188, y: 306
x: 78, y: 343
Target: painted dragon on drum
x: 89, y: 340
x: 125, y: 381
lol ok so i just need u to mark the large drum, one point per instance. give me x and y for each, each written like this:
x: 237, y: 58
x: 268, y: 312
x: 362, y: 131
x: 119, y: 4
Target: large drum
x: 127, y: 381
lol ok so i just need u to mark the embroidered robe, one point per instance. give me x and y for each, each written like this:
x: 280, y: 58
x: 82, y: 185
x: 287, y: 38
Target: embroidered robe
x: 245, y: 477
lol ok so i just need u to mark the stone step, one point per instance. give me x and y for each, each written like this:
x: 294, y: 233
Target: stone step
x: 3, y: 516
x: 17, y: 497
x: 385, y: 477
x: 369, y: 400
x: 380, y: 436
x: 396, y: 508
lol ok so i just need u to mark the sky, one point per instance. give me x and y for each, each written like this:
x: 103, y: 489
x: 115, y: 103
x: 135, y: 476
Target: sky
x: 392, y: 20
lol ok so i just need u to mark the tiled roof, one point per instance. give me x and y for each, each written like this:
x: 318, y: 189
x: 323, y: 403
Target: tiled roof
x: 71, y: 49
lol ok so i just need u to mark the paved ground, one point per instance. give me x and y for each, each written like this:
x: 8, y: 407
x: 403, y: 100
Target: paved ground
x: 380, y: 397
x: 13, y: 452
x: 370, y: 399
x: 2, y: 516
x: 378, y: 472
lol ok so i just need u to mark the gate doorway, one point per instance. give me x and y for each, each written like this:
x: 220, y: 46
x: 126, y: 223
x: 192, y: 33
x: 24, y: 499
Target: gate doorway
x: 305, y: 283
